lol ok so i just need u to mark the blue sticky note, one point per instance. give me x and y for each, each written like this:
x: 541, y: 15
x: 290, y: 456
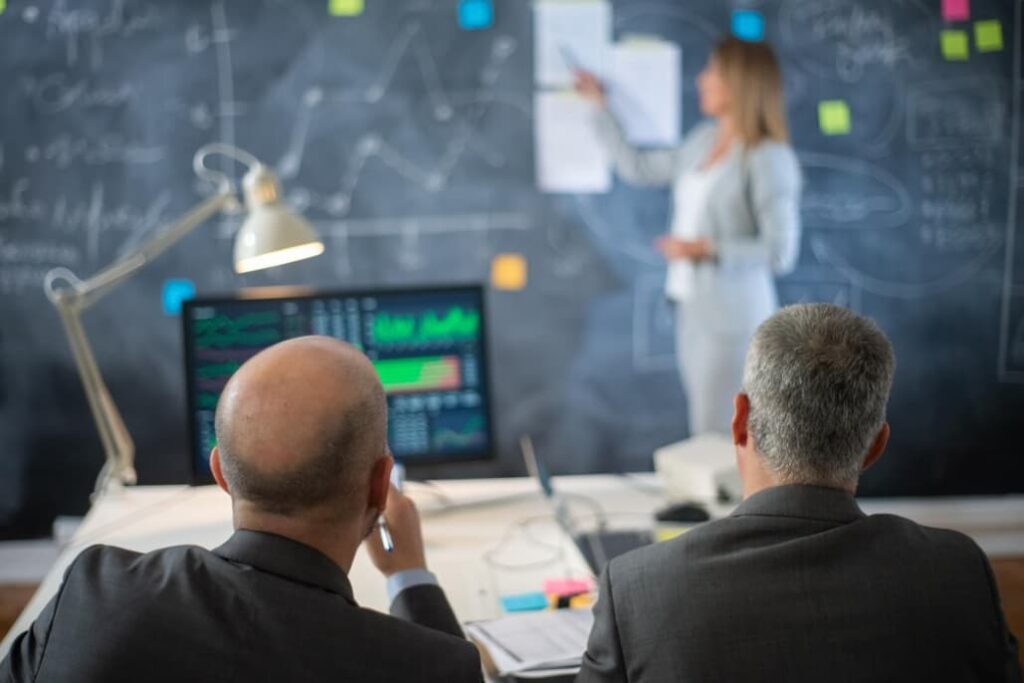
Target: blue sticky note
x: 475, y: 15
x: 748, y: 25
x: 177, y: 291
x: 524, y: 602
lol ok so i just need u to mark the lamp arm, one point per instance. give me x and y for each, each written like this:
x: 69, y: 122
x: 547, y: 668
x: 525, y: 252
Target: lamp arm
x: 86, y: 293
x: 78, y: 295
x: 118, y: 447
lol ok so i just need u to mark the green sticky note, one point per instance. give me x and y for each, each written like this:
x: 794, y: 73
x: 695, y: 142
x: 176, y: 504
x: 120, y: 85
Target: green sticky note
x: 3, y: 6
x: 834, y: 117
x: 988, y: 36
x: 345, y: 8
x: 954, y: 46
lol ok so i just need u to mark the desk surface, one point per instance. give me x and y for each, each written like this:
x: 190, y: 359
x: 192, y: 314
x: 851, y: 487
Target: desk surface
x: 485, y: 537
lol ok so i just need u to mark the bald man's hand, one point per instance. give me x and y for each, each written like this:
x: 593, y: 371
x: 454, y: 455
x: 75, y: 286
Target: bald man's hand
x: 404, y: 523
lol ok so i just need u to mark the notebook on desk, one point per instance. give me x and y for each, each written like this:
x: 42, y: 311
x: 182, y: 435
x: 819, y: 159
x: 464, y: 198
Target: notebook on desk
x: 597, y: 547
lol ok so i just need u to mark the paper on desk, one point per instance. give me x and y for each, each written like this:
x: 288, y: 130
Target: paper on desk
x: 555, y: 639
x: 569, y: 156
x: 644, y: 91
x: 565, y: 31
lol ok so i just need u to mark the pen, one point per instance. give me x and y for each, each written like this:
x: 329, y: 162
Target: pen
x: 568, y: 57
x: 385, y: 534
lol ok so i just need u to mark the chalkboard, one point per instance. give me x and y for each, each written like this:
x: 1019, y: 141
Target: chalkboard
x: 408, y: 142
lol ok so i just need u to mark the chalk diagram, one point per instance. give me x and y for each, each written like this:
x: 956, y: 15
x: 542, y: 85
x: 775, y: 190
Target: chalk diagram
x: 331, y: 210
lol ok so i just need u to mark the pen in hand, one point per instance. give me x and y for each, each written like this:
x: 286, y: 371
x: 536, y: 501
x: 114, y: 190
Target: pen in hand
x: 385, y: 534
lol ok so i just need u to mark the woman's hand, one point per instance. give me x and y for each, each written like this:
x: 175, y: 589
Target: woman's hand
x: 674, y: 249
x: 589, y: 87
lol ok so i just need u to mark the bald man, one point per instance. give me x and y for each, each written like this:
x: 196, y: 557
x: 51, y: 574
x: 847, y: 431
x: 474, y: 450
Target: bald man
x: 302, y: 451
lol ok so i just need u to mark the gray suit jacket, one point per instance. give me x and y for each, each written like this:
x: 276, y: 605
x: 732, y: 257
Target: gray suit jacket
x: 752, y: 216
x: 799, y: 585
x: 258, y: 608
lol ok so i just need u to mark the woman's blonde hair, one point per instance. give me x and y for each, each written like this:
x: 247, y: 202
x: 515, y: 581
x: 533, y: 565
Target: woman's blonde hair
x: 752, y: 76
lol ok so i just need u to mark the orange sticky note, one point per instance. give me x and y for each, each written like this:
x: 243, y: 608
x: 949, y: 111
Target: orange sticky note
x: 509, y: 272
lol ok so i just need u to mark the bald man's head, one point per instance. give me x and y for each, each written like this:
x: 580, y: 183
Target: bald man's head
x: 300, y: 425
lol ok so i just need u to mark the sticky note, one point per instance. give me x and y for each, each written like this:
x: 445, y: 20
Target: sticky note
x: 176, y: 291
x: 475, y: 15
x: 509, y: 272
x: 956, y: 10
x: 345, y: 8
x: 524, y: 602
x: 834, y: 117
x: 567, y: 586
x: 954, y: 46
x: 748, y: 25
x: 3, y: 6
x: 988, y: 36
x: 667, y: 533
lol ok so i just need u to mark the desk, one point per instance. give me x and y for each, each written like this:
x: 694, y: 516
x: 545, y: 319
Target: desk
x: 478, y: 551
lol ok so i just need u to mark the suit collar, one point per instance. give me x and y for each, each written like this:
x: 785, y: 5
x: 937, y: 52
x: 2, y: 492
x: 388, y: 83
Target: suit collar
x: 802, y: 501
x: 286, y: 558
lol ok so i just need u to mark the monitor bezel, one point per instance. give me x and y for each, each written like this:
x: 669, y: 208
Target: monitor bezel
x: 201, y: 477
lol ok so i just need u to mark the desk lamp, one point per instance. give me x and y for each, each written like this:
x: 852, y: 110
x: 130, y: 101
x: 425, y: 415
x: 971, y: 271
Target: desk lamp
x: 271, y: 235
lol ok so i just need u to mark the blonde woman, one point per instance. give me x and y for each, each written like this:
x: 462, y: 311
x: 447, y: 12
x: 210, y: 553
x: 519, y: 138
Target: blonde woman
x: 736, y: 221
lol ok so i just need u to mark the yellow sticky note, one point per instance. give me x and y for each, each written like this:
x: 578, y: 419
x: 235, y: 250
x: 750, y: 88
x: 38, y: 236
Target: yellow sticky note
x: 345, y: 8
x: 988, y: 36
x: 954, y: 46
x: 834, y: 117
x: 509, y: 272
x: 666, y: 532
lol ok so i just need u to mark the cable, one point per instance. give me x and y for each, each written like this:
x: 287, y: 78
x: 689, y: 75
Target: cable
x: 557, y: 551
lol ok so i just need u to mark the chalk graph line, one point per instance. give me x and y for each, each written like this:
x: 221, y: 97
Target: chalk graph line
x: 444, y: 105
x: 372, y: 146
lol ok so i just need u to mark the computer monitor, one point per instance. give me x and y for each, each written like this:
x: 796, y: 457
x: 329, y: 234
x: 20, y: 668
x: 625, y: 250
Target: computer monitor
x: 428, y: 346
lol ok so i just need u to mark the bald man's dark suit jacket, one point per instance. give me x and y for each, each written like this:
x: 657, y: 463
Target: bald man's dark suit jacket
x: 258, y: 608
x: 799, y: 585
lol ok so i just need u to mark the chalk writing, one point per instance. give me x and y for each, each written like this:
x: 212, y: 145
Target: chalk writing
x: 57, y: 93
x: 44, y: 253
x: 861, y: 37
x: 21, y: 205
x: 955, y: 113
x: 65, y: 150
x: 85, y: 30
x: 875, y: 193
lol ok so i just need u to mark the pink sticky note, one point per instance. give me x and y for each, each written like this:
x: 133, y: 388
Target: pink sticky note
x: 567, y: 586
x: 956, y: 10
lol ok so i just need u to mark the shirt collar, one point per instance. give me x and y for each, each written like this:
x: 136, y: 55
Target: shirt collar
x: 286, y: 558
x: 802, y: 501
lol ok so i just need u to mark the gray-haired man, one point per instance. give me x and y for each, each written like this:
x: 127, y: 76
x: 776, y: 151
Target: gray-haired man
x: 798, y: 584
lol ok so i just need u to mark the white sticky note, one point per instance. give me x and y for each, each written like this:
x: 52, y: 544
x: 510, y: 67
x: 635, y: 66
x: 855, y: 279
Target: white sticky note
x: 645, y: 91
x: 569, y: 35
x: 569, y: 155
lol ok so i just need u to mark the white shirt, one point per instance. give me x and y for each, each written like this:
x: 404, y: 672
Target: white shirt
x: 690, y: 195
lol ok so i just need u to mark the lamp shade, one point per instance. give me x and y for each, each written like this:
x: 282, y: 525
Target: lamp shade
x: 272, y: 234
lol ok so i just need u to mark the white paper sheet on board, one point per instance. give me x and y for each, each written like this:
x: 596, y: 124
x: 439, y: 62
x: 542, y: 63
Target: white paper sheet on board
x: 644, y: 91
x: 569, y: 156
x: 567, y: 31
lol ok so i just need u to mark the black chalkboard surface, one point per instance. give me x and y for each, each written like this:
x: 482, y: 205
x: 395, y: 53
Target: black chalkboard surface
x: 408, y: 142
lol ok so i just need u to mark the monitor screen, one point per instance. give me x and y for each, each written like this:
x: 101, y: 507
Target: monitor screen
x: 428, y: 346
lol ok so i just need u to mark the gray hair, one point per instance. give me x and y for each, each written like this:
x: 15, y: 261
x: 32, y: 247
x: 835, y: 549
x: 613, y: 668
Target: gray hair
x: 818, y: 377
